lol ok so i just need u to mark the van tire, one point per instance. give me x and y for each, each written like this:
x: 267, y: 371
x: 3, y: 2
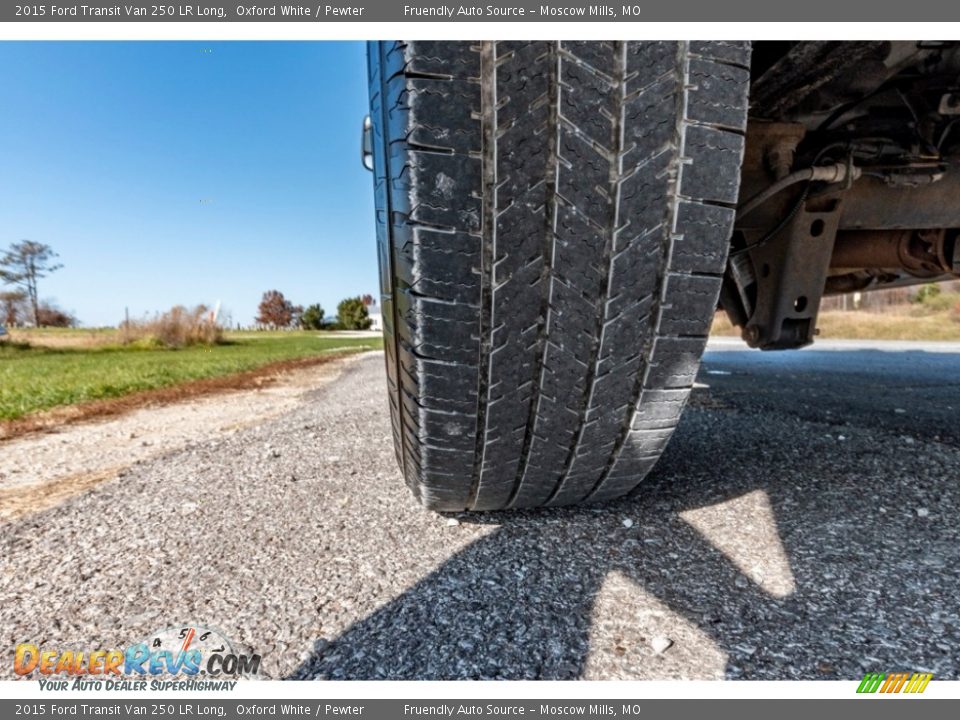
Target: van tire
x: 553, y: 221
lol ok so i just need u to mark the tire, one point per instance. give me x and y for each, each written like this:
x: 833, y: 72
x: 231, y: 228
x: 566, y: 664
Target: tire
x: 553, y: 222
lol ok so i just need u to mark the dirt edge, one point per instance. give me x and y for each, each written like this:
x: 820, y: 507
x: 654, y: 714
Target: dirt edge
x: 263, y: 376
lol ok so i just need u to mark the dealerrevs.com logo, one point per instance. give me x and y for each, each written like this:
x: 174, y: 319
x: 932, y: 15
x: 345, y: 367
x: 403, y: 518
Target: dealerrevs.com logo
x: 188, y: 657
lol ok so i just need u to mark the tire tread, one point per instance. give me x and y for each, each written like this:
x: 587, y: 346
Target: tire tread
x: 553, y: 221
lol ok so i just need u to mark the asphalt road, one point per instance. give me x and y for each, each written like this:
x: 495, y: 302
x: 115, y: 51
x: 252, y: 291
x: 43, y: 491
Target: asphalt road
x: 802, y: 524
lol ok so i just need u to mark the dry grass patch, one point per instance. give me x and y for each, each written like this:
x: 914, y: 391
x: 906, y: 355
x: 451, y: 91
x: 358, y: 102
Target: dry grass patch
x: 178, y: 327
x: 909, y: 323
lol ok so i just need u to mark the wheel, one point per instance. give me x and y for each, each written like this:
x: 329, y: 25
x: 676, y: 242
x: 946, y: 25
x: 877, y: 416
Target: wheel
x: 552, y: 221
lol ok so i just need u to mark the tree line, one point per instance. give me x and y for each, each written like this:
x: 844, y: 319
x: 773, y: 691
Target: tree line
x: 25, y: 263
x: 276, y: 312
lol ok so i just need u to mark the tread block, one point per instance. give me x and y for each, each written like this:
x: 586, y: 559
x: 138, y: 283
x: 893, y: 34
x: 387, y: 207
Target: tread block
x: 730, y: 51
x: 718, y: 95
x: 702, y: 234
x: 581, y: 189
x: 658, y: 409
x: 442, y: 191
x: 648, y: 61
x: 457, y: 59
x: 440, y: 264
x: 714, y: 174
x: 674, y: 362
x: 696, y: 301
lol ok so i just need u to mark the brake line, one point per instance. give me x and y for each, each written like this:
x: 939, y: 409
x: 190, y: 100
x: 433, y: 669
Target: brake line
x: 831, y: 174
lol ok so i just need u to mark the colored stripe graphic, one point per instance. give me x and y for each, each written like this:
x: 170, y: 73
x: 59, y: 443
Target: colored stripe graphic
x: 894, y: 682
x: 919, y: 682
x: 870, y: 682
x: 898, y: 680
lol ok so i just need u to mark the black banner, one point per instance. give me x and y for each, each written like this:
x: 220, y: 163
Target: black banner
x: 874, y: 708
x: 738, y: 11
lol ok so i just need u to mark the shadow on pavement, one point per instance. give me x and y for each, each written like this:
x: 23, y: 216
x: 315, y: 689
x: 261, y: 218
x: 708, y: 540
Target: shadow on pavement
x: 863, y: 517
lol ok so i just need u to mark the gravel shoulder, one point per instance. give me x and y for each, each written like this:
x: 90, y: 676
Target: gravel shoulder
x: 777, y: 539
x: 40, y: 470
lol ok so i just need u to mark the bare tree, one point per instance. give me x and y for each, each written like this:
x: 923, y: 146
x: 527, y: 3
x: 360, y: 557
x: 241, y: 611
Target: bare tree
x: 24, y: 264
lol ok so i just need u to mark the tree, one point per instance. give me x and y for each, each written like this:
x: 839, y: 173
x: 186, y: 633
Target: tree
x: 24, y: 264
x: 312, y: 318
x: 352, y: 314
x: 275, y: 310
x: 12, y: 307
x: 50, y: 315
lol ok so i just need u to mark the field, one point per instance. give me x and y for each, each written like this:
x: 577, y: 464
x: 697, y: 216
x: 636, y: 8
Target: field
x: 908, y: 323
x: 44, y: 369
x: 47, y: 368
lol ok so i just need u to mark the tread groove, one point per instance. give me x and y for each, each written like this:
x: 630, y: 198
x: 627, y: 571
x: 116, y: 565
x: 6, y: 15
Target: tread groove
x: 549, y: 243
x: 488, y: 81
x: 663, y: 264
x: 615, y: 175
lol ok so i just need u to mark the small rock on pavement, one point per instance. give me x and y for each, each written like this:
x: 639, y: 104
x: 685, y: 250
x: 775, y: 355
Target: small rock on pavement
x: 661, y: 644
x: 627, y: 523
x: 922, y: 512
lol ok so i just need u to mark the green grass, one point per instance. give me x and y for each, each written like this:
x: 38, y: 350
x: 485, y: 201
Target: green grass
x: 34, y: 378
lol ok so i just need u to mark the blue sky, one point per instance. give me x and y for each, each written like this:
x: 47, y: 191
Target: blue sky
x: 188, y: 172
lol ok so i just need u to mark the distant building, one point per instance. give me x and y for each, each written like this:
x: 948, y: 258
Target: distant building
x: 376, y: 319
